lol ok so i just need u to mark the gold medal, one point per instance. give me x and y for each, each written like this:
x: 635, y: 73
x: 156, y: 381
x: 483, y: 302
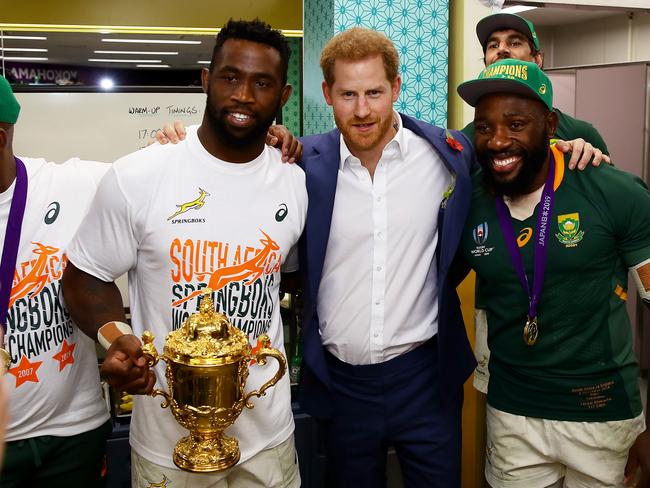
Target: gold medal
x: 531, y: 331
x: 5, y: 359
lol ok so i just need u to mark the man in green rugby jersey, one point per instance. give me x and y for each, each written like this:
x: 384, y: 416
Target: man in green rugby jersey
x: 552, y: 254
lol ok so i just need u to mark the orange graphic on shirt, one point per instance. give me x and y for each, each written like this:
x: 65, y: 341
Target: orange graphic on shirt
x: 25, y: 371
x: 34, y: 281
x: 248, y: 271
x: 255, y: 350
x: 65, y: 355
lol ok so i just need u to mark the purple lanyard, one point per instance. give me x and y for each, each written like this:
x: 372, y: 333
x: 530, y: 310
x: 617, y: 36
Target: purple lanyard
x: 12, y: 239
x: 541, y: 240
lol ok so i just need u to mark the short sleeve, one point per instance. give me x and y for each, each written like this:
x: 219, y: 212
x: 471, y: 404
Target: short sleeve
x: 105, y: 245
x: 629, y: 201
x: 95, y: 169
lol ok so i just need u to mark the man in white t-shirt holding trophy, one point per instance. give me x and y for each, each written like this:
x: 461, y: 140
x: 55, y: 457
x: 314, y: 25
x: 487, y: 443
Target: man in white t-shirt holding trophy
x: 180, y: 218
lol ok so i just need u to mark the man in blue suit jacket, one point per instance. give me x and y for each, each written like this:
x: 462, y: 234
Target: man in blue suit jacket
x: 385, y: 349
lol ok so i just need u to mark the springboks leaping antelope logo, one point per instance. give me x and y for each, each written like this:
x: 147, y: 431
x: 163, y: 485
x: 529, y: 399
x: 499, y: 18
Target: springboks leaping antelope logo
x: 194, y: 204
x: 248, y: 271
x: 36, y: 279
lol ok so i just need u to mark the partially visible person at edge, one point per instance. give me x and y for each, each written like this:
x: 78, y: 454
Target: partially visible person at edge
x: 251, y: 213
x: 552, y: 250
x: 58, y: 422
x: 509, y: 36
x: 407, y: 327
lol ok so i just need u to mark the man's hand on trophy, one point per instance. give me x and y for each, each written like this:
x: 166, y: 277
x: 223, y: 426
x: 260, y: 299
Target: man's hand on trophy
x: 125, y: 366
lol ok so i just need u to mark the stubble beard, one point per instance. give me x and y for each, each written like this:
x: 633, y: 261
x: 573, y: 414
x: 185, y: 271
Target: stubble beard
x: 521, y: 184
x: 230, y: 138
x: 360, y: 142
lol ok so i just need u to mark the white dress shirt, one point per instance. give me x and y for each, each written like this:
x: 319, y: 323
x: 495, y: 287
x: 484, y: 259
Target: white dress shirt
x: 378, y: 293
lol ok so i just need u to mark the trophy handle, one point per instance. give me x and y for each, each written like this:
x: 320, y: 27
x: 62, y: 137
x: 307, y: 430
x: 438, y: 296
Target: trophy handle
x: 163, y: 394
x: 266, y: 351
x: 151, y: 355
x: 149, y: 350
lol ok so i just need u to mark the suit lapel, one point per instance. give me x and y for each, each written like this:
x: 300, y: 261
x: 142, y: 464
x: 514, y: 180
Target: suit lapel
x: 321, y: 172
x: 457, y: 204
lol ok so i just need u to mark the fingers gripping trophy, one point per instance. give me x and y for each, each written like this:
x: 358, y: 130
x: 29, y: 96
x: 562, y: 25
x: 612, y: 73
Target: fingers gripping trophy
x: 207, y: 367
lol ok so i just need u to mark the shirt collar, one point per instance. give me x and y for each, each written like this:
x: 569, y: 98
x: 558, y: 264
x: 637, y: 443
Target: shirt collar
x: 399, y: 141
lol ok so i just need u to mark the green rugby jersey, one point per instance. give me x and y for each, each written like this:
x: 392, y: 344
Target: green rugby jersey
x: 582, y: 367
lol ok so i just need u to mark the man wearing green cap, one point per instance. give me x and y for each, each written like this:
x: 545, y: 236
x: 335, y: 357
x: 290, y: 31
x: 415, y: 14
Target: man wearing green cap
x: 552, y: 260
x: 509, y: 36
x: 58, y: 420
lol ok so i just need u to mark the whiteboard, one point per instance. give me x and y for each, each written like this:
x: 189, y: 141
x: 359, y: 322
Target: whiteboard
x: 97, y: 126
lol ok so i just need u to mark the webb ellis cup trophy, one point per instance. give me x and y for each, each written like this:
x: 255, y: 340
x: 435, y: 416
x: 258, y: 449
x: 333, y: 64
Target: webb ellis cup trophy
x: 207, y: 367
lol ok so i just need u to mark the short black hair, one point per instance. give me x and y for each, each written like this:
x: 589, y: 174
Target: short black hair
x: 257, y: 31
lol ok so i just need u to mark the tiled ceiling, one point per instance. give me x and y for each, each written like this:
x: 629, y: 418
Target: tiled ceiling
x: 71, y: 48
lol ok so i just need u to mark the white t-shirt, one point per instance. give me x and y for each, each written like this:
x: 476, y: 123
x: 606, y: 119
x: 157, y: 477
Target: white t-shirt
x: 177, y: 219
x: 53, y: 379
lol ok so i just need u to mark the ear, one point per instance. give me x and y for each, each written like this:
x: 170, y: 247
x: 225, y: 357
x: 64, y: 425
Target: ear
x: 205, y: 79
x: 286, y: 93
x: 4, y: 138
x: 538, y: 59
x: 551, y: 124
x: 396, y: 86
x: 327, y: 93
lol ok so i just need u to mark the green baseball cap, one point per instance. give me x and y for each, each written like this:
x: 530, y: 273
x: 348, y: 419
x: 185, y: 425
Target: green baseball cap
x: 495, y: 22
x: 9, y: 106
x: 509, y: 76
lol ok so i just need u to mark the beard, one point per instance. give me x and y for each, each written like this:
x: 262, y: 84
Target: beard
x: 521, y: 183
x: 242, y: 138
x: 362, y: 142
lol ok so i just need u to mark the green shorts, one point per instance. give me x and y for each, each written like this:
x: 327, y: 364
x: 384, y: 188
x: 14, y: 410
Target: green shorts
x: 70, y: 462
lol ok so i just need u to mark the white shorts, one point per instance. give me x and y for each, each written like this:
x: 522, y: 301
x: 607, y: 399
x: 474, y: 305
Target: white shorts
x: 527, y: 452
x: 276, y: 467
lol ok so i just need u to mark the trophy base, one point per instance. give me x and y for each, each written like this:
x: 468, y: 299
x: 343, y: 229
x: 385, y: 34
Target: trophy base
x: 206, y: 453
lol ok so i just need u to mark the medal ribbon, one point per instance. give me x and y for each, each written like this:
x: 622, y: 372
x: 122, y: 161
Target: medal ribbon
x: 542, y: 233
x: 12, y: 239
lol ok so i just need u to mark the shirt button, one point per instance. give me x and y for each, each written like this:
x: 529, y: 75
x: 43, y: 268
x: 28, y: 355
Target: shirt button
x: 378, y: 268
x: 376, y: 334
x: 378, y: 302
x: 378, y: 199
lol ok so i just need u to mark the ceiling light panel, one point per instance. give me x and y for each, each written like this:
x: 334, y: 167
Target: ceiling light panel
x: 22, y: 58
x: 152, y: 53
x: 151, y: 41
x: 108, y: 60
x: 28, y: 38
x: 24, y: 49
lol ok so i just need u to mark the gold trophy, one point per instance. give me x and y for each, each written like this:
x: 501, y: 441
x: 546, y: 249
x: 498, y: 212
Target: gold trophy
x: 207, y: 367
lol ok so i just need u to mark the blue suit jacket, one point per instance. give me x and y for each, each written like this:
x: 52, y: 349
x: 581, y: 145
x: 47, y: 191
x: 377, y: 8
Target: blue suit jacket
x: 320, y: 161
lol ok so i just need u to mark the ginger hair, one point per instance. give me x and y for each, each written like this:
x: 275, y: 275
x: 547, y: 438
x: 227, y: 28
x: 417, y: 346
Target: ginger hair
x: 355, y: 44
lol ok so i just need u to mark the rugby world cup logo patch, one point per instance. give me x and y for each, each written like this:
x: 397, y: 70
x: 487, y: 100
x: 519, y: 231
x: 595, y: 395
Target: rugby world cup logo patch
x: 480, y: 233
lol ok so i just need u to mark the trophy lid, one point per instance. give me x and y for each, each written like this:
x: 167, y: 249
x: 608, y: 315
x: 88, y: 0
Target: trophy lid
x: 206, y: 338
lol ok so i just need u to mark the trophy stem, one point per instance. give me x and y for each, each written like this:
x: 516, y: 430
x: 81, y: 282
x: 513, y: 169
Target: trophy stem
x: 202, y: 452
